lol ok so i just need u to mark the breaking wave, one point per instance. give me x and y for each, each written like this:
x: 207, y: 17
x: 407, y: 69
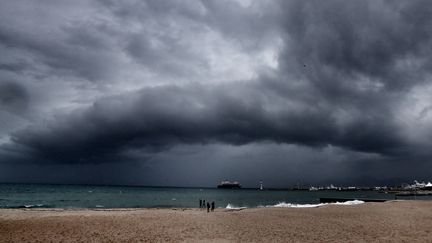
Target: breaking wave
x: 230, y: 206
x: 354, y: 202
x: 293, y: 205
x: 27, y: 206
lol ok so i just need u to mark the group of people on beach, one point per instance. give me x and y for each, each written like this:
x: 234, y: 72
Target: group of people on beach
x: 202, y: 204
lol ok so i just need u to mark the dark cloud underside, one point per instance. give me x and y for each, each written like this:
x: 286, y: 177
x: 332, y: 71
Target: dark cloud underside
x: 110, y: 83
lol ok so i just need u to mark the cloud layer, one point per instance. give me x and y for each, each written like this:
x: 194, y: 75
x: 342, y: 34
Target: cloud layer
x: 114, y: 84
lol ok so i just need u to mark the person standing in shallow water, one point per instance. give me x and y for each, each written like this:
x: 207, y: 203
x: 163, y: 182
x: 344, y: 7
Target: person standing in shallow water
x: 212, y: 206
x: 200, y: 203
x: 208, y: 207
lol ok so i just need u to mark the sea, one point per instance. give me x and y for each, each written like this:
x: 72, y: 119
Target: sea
x: 86, y: 196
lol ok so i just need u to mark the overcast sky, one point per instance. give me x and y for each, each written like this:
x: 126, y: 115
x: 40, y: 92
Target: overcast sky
x: 188, y: 93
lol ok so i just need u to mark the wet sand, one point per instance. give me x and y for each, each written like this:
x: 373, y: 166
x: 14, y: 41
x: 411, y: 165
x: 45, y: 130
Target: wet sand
x: 394, y: 221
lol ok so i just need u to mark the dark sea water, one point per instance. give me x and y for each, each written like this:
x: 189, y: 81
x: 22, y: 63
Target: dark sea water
x: 79, y: 196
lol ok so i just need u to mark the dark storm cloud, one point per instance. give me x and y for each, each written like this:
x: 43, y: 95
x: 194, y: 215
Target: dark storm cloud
x: 13, y: 97
x: 379, y: 39
x: 345, y: 72
x: 336, y: 42
x: 74, y: 53
x: 158, y: 118
x: 173, y: 29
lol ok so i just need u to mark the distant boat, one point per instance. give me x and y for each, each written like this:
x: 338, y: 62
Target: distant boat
x: 312, y: 188
x: 229, y: 184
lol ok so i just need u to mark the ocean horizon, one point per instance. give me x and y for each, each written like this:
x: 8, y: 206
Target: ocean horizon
x: 116, y: 196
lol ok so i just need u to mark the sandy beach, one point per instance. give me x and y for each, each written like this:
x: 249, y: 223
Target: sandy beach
x: 393, y: 221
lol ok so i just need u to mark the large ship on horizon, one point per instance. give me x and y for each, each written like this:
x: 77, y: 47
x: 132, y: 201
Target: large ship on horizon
x: 229, y: 184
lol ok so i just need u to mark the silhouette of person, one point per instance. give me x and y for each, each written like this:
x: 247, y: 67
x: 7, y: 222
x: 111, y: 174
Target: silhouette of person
x: 208, y: 207
x: 212, y: 206
x: 203, y: 205
x: 200, y: 203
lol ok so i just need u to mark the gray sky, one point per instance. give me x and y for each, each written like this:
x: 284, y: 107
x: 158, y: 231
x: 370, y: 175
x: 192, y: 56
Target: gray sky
x: 187, y: 93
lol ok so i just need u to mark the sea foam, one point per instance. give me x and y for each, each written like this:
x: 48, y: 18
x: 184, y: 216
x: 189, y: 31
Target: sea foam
x: 32, y: 206
x: 354, y: 202
x: 230, y: 206
x: 293, y: 205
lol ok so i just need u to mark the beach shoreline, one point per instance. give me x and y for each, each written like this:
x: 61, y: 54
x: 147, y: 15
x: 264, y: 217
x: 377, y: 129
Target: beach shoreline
x: 392, y: 221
